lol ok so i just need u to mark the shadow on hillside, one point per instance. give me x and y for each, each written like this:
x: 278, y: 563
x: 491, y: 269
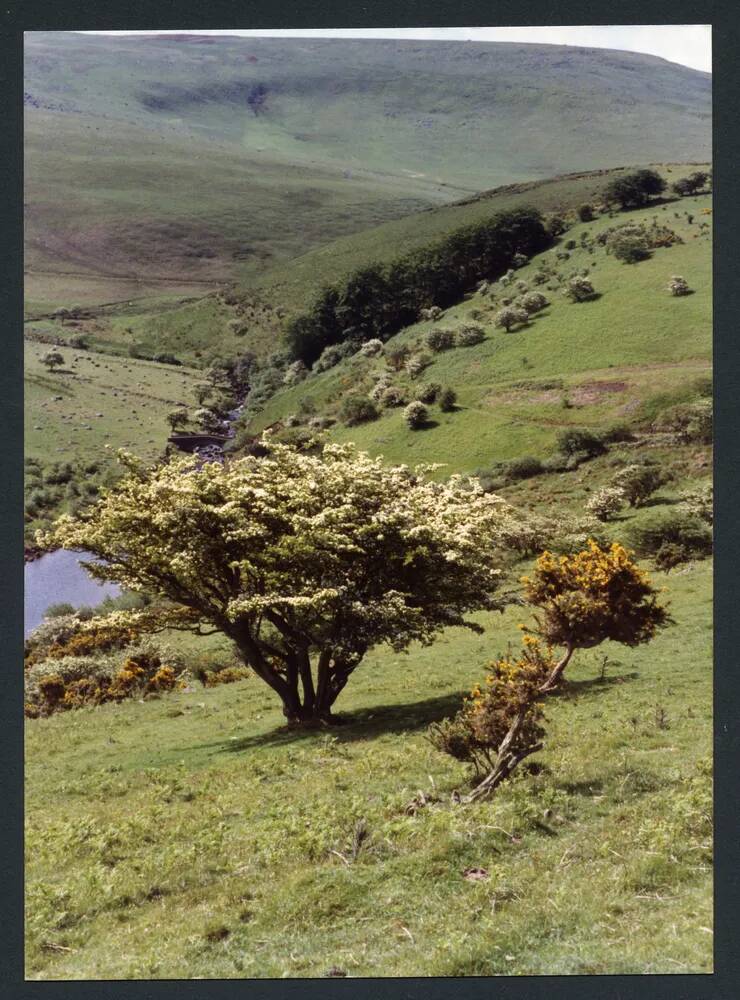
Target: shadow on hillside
x: 363, y: 724
x: 659, y: 502
x: 591, y: 685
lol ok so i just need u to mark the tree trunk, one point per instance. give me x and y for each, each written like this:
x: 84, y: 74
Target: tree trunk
x: 304, y: 703
x: 553, y: 680
x: 506, y: 760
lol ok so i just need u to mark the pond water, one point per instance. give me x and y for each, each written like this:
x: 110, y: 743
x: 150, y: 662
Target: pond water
x: 57, y: 577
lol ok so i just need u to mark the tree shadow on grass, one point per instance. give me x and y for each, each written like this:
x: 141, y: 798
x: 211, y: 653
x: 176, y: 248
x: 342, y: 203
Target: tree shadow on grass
x: 364, y: 724
x: 591, y: 685
x: 659, y: 502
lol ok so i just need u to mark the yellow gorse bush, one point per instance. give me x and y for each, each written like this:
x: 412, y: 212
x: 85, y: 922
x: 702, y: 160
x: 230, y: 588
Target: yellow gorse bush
x: 594, y: 595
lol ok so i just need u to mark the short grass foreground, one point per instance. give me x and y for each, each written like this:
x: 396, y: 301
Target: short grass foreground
x: 193, y: 836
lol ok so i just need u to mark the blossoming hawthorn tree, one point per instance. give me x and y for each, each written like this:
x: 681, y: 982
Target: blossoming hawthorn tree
x: 585, y: 599
x: 304, y: 562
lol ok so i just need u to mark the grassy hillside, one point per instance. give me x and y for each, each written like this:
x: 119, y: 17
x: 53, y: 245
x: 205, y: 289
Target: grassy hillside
x: 304, y: 141
x: 292, y: 283
x: 115, y: 205
x: 588, y: 364
x: 192, y: 837
x: 77, y: 416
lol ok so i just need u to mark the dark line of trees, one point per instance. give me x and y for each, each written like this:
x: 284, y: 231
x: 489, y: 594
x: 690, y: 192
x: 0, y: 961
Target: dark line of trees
x: 691, y: 184
x: 380, y: 299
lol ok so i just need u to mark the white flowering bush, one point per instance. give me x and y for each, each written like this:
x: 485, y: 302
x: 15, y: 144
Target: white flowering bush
x: 678, y: 285
x: 511, y: 316
x: 391, y: 396
x: 604, y: 503
x: 305, y: 562
x: 534, y: 302
x: 468, y: 336
x: 699, y: 503
x: 416, y: 415
x: 416, y: 364
x: 295, y: 373
x: 371, y: 348
x: 579, y: 289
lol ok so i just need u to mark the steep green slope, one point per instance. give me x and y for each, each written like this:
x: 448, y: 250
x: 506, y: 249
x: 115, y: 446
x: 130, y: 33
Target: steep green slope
x: 586, y: 364
x: 192, y: 837
x: 167, y: 158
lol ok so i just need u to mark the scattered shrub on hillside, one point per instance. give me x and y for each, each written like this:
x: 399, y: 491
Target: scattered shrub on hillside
x: 579, y: 440
x: 448, y: 400
x: 391, y: 396
x: 690, y: 422
x: 177, y: 418
x: 690, y: 185
x: 416, y: 364
x: 432, y: 314
x: 678, y: 285
x: 510, y: 317
x: 416, y: 415
x: 468, y: 336
x: 586, y: 213
x: 699, y: 503
x: 357, y: 410
x: 295, y: 373
x: 639, y: 482
x: 630, y: 249
x: 523, y: 468
x: 579, y: 289
x: 672, y: 537
x: 397, y: 357
x: 59, y: 473
x: 440, y: 339
x: 52, y: 359
x: 635, y: 189
x: 534, y: 302
x: 371, y: 348
x: 331, y: 356
x: 208, y: 421
x: 606, y: 502
x: 383, y: 382
x: 556, y: 225
x: 428, y: 392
